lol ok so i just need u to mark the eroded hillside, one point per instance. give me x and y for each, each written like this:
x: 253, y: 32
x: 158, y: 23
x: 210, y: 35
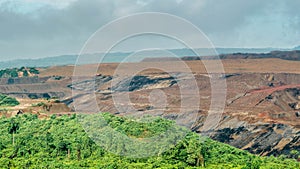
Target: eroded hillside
x: 261, y: 114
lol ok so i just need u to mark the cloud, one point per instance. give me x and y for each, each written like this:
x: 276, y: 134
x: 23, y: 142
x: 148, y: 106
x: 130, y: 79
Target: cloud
x: 37, y: 28
x: 55, y: 3
x: 51, y: 31
x: 30, y: 5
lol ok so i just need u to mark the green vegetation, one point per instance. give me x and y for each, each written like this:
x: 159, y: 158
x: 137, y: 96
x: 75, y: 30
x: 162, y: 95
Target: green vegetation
x: 8, y: 73
x: 14, y: 72
x: 40, y: 104
x: 61, y: 142
x: 8, y: 101
x: 58, y: 77
x: 25, y: 73
x: 33, y: 70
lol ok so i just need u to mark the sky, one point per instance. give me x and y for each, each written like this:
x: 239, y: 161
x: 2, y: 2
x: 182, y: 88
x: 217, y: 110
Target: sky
x: 41, y: 28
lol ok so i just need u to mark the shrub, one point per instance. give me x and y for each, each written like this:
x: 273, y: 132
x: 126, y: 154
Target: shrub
x: 8, y: 101
x: 40, y: 104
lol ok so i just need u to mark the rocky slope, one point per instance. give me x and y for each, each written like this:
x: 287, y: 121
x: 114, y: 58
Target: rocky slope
x: 261, y: 114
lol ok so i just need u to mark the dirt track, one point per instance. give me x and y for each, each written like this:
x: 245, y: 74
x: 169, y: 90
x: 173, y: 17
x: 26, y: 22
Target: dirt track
x: 270, y: 90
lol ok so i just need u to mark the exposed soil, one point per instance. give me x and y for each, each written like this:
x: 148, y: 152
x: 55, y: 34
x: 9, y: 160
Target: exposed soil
x: 262, y: 104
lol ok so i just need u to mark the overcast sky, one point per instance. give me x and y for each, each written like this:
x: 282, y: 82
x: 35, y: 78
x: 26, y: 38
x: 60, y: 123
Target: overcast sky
x: 40, y: 28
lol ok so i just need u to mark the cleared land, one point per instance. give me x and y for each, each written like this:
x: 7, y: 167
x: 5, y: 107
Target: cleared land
x: 261, y: 112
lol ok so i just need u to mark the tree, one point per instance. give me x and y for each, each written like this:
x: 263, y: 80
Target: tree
x: 25, y: 73
x: 14, y: 73
x: 8, y: 101
x: 33, y: 70
x: 12, y: 129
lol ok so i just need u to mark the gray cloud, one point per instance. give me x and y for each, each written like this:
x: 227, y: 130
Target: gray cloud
x: 50, y: 31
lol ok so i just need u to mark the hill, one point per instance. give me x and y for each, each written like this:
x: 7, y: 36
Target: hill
x: 261, y: 113
x: 285, y: 55
x: 114, y: 57
x: 61, y: 142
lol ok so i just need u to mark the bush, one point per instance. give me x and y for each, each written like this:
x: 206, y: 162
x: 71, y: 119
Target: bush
x: 40, y: 104
x: 8, y: 101
x: 33, y: 70
x: 25, y: 73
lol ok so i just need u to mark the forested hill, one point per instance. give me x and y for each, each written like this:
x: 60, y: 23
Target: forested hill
x: 61, y: 142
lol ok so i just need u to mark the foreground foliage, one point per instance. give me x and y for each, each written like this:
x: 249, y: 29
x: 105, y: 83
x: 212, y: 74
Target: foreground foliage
x: 61, y: 142
x: 8, y: 101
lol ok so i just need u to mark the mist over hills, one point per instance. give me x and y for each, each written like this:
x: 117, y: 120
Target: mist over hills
x: 120, y: 56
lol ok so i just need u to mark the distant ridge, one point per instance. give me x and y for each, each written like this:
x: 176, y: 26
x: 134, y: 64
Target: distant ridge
x: 296, y: 48
x: 119, y: 56
x: 285, y: 55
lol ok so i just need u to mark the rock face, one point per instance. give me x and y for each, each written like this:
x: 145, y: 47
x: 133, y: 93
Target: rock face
x: 143, y: 82
x: 267, y: 116
x: 262, y: 139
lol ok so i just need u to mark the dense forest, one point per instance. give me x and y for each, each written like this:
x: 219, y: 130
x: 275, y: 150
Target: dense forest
x: 61, y: 142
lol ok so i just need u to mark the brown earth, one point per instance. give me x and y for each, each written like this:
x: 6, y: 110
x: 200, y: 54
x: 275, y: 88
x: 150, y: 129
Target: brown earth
x: 42, y: 107
x: 261, y: 109
x: 230, y: 66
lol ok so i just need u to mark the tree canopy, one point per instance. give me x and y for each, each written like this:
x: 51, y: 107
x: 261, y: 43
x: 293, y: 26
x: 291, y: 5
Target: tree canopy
x: 8, y: 101
x: 61, y: 142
